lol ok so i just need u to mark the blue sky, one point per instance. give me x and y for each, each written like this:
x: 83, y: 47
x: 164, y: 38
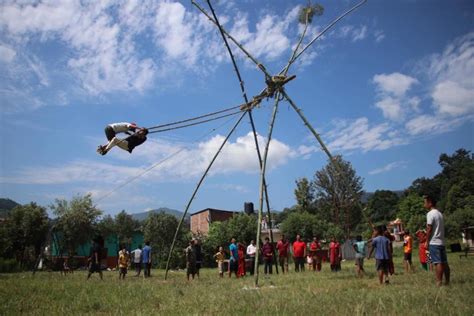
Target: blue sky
x: 390, y: 88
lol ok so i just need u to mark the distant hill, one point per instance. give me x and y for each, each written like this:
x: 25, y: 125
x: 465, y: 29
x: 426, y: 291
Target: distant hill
x: 142, y: 216
x: 6, y: 205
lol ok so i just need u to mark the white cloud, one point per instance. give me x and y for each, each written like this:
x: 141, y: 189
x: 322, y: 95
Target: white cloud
x: 379, y: 36
x: 7, y: 54
x: 355, y: 33
x: 427, y: 124
x: 395, y: 84
x: 388, y: 167
x: 452, y: 76
x: 189, y: 162
x: 358, y: 135
x: 391, y: 108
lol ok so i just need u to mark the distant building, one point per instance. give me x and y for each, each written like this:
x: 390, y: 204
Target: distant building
x: 201, y: 220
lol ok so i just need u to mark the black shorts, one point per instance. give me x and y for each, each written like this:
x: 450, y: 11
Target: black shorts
x: 94, y: 267
x: 407, y: 257
x: 123, y: 271
x: 233, y: 266
x: 109, y: 132
x: 382, y: 264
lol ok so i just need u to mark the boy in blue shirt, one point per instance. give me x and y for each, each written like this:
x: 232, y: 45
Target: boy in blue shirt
x: 146, y: 259
x: 381, y: 245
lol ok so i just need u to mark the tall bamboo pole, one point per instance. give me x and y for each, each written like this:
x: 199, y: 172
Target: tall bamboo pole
x: 196, y: 190
x: 262, y: 176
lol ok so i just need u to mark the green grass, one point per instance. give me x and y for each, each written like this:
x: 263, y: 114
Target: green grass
x: 307, y: 293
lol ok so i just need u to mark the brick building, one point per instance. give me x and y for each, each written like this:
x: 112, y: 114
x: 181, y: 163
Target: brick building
x: 201, y: 220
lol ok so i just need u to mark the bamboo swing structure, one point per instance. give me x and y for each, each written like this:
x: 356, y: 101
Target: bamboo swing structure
x: 274, y: 89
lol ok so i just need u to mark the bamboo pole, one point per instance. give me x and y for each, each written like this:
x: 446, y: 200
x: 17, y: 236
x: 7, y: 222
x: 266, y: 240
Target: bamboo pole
x: 244, y: 95
x: 262, y: 177
x: 196, y: 190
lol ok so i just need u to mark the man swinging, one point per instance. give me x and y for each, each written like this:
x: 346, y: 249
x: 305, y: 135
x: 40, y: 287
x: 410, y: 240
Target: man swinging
x: 137, y: 138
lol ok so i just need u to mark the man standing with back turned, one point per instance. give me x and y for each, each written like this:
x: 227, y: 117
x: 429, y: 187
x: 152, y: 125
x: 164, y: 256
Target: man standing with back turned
x: 435, y: 240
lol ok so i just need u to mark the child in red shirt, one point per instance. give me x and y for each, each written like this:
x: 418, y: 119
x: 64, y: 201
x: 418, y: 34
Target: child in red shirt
x: 421, y: 235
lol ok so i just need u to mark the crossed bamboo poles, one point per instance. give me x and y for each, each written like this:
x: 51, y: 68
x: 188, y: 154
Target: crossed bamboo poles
x: 274, y: 89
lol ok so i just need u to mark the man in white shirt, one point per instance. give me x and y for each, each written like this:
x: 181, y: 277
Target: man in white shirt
x: 435, y: 241
x: 251, y: 250
x: 137, y: 259
x: 137, y: 138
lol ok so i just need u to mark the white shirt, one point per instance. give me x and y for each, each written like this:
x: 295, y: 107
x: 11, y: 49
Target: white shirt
x: 137, y: 255
x: 435, y: 219
x: 251, y: 250
x: 121, y: 127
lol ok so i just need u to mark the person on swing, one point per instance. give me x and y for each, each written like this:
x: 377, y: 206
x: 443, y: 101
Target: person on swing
x: 137, y: 138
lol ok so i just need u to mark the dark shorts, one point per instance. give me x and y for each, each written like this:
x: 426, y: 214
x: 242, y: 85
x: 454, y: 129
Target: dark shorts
x: 438, y: 254
x: 407, y: 257
x: 382, y: 265
x: 109, y: 133
x: 233, y: 266
x: 191, y: 268
x: 94, y: 267
x: 198, y: 265
x: 123, y: 270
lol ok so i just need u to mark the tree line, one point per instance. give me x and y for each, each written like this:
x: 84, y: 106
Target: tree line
x: 330, y: 204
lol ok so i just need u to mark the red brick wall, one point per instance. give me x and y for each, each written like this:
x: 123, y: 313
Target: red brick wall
x: 199, y: 223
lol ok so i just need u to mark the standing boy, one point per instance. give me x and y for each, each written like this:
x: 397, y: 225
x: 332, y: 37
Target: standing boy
x: 146, y: 259
x: 407, y: 250
x: 123, y: 258
x: 381, y: 245
x: 299, y: 253
x: 283, y: 247
x: 435, y: 240
x: 359, y: 247
x: 220, y: 257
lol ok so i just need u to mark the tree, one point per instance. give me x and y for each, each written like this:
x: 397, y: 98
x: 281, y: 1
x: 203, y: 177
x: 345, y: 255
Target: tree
x: 338, y: 193
x: 125, y: 226
x: 159, y: 229
x: 382, y: 206
x: 304, y: 194
x: 308, y: 226
x: 412, y: 212
x: 76, y: 221
x: 106, y: 226
x: 26, y: 229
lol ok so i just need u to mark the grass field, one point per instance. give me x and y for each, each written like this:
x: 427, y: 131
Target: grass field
x: 307, y: 293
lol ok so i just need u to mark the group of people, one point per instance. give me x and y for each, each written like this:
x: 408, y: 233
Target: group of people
x: 432, y: 253
x: 242, y: 258
x: 140, y: 258
x: 432, y: 247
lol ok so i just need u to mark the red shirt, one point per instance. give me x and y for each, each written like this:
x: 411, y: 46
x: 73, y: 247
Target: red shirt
x: 299, y: 248
x: 314, y: 246
x: 283, y: 248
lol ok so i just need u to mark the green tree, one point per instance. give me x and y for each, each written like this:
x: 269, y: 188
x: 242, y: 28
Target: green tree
x: 76, y: 221
x: 26, y: 230
x: 125, y: 226
x: 382, y: 206
x: 106, y: 226
x: 307, y: 13
x: 159, y: 229
x: 308, y: 226
x: 304, y: 194
x: 412, y: 212
x: 338, y: 194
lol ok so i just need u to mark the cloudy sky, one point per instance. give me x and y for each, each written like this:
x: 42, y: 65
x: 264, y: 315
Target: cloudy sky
x: 390, y: 88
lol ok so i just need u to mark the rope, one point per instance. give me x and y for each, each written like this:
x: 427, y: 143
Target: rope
x: 133, y: 178
x: 195, y: 123
x: 195, y: 118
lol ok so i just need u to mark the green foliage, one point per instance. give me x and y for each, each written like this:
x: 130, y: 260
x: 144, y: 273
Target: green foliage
x: 24, y: 233
x: 125, y: 225
x: 76, y: 221
x: 241, y: 226
x: 308, y: 226
x: 159, y: 229
x: 459, y: 219
x: 382, y: 206
x: 304, y: 194
x: 412, y: 212
x: 307, y: 13
x: 338, y: 194
x: 9, y: 265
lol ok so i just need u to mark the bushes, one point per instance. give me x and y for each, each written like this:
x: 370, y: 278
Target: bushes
x: 9, y: 265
